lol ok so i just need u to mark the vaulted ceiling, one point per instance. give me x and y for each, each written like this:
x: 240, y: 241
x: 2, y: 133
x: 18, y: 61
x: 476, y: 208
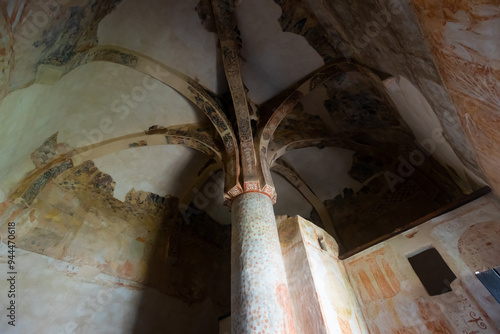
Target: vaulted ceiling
x: 364, y: 84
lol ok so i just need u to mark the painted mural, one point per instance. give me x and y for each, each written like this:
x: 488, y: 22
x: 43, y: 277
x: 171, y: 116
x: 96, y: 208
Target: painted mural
x: 392, y: 297
x: 246, y: 83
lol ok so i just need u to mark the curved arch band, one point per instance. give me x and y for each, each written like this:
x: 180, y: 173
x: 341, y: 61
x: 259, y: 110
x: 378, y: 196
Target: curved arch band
x: 273, y: 120
x: 187, y: 87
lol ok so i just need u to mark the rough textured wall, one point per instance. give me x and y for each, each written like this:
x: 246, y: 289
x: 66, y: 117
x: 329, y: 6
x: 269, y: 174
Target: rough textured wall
x: 464, y: 39
x: 322, y: 298
x: 393, y: 299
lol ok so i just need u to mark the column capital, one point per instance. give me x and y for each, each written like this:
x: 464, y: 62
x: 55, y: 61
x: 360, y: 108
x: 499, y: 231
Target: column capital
x: 250, y: 187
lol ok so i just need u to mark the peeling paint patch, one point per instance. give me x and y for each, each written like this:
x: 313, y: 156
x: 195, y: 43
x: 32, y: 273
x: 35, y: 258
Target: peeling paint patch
x: 411, y: 235
x: 78, y: 31
x: 36, y: 186
x: 140, y: 143
x: 6, y: 52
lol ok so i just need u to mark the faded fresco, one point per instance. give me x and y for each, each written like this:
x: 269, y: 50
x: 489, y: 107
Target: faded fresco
x: 146, y: 147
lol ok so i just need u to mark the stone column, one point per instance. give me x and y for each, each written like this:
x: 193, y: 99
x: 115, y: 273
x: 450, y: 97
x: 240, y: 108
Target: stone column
x: 260, y: 302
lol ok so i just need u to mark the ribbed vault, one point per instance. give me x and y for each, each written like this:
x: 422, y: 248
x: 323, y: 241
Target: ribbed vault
x: 342, y: 104
x: 139, y: 120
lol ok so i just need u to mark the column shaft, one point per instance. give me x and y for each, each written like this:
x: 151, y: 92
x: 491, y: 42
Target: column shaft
x: 260, y: 302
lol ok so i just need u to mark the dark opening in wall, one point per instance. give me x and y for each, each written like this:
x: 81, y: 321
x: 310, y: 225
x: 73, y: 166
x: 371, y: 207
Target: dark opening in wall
x: 491, y: 280
x: 321, y: 242
x: 432, y: 271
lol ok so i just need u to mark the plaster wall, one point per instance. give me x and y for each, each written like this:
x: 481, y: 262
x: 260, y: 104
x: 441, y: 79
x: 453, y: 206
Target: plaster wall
x: 173, y: 167
x: 210, y: 199
x: 408, y: 38
x: 225, y: 326
x: 273, y: 59
x: 184, y: 43
x: 100, y: 263
x: 58, y: 297
x: 326, y: 161
x: 422, y: 120
x: 464, y: 39
x: 322, y: 298
x: 290, y: 200
x: 85, y: 107
x: 392, y: 298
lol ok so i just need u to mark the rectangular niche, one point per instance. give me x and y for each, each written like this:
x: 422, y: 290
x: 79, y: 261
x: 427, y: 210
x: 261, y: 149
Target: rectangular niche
x: 432, y: 271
